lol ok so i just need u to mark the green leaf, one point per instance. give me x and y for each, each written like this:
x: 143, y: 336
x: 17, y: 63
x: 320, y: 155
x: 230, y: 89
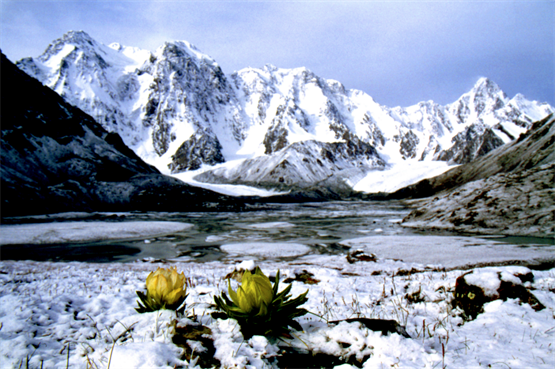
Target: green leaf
x: 295, y: 325
x: 276, y: 283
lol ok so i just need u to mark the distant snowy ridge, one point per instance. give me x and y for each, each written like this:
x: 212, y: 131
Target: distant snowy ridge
x: 179, y: 112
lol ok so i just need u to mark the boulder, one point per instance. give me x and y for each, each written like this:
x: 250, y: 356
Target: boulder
x: 480, y: 286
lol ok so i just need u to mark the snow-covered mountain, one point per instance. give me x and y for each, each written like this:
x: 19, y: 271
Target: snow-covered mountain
x: 178, y: 111
x: 55, y: 158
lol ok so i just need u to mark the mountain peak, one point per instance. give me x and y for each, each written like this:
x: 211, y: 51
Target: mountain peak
x: 483, y: 81
x: 182, y: 48
x: 487, y: 87
x: 270, y: 67
x: 67, y: 43
x: 76, y: 38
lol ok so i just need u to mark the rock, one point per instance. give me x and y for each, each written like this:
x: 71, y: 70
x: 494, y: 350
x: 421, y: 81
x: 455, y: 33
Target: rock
x: 240, y: 269
x: 201, y: 148
x: 360, y: 255
x: 294, y: 358
x: 478, y: 287
x: 197, y: 343
x: 385, y: 326
x: 304, y: 277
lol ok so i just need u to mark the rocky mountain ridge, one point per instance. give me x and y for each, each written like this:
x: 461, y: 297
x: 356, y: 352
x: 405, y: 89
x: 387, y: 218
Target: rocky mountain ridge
x: 55, y: 158
x: 508, y: 191
x: 178, y: 111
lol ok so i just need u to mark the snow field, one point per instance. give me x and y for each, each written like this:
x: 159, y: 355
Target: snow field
x: 47, y: 307
x: 224, y: 189
x: 400, y: 175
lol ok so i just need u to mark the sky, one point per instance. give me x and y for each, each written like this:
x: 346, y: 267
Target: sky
x: 399, y: 52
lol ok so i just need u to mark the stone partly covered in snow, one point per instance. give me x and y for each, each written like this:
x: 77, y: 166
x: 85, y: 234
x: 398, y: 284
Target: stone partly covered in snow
x: 385, y: 326
x: 508, y: 191
x: 197, y: 342
x: 302, y: 276
x: 480, y: 286
x: 360, y: 255
x: 240, y: 269
x: 177, y: 110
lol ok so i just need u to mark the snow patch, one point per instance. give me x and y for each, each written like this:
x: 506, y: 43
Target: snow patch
x: 225, y: 189
x: 265, y: 249
x: 400, y: 175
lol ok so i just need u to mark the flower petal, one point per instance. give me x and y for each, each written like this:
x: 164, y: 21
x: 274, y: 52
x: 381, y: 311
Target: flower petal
x: 232, y: 294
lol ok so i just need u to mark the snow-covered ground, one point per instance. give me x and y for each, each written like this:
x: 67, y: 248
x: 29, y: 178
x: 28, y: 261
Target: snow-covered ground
x: 52, y: 314
x: 395, y: 177
x: 224, y: 189
x: 400, y: 175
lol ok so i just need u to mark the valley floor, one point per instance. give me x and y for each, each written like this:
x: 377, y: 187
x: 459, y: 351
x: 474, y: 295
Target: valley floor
x: 81, y: 315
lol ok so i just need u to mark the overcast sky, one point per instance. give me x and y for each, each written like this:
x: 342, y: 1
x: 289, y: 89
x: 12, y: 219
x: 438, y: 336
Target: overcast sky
x: 399, y: 52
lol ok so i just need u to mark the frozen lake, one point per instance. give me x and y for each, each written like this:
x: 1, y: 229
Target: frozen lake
x: 277, y: 232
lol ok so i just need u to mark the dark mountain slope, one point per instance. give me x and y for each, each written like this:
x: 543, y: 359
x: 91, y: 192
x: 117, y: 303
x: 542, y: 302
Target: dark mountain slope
x: 510, y: 191
x: 56, y: 158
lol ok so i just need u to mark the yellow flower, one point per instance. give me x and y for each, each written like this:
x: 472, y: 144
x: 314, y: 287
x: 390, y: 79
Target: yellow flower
x: 165, y: 289
x: 255, y: 293
x: 259, y: 308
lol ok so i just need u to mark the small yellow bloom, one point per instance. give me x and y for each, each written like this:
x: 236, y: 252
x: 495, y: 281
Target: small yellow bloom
x: 255, y: 293
x: 166, y: 287
x: 259, y: 308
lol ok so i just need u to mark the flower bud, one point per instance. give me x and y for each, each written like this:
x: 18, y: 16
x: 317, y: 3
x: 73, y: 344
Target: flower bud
x: 165, y: 289
x: 255, y: 293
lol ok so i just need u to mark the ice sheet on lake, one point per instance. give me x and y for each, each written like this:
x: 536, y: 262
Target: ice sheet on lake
x: 266, y: 250
x: 47, y: 233
x: 448, y: 251
x: 271, y: 225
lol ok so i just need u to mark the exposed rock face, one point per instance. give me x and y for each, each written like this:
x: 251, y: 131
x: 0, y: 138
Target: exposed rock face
x: 201, y: 148
x: 177, y: 110
x: 508, y: 191
x: 56, y: 158
x: 470, y: 144
x: 301, y: 164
